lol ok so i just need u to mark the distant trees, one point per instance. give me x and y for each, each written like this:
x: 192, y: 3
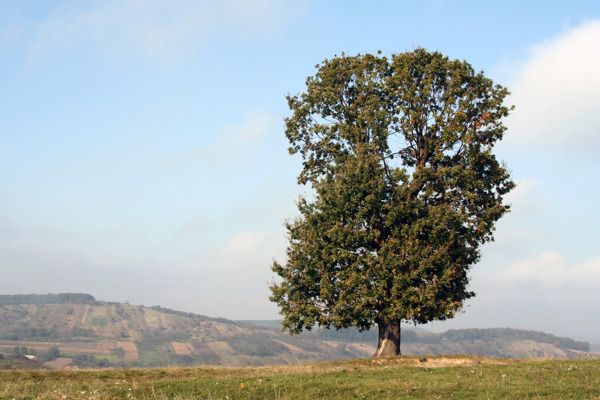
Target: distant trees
x: 81, y: 298
x: 51, y: 354
x: 20, y: 333
x: 20, y: 350
x: 89, y: 361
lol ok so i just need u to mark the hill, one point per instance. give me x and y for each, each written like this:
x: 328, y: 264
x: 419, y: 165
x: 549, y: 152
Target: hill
x: 491, y: 342
x: 101, y: 334
x: 89, y: 333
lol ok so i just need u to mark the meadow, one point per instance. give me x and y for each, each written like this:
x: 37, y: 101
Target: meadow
x: 440, y: 377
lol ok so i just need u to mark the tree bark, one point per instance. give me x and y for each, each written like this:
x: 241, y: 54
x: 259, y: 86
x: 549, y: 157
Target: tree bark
x: 389, y: 339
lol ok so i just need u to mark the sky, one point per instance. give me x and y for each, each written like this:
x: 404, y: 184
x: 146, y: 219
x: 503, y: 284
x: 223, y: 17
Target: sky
x: 143, y: 155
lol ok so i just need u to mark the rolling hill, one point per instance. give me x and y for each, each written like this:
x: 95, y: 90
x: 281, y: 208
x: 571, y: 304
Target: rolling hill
x: 90, y: 333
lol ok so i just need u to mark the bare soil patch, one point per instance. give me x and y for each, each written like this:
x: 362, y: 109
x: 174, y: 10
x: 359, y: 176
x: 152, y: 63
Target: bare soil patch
x: 105, y: 345
x: 130, y: 349
x: 182, y: 348
x: 438, y: 362
x: 58, y: 363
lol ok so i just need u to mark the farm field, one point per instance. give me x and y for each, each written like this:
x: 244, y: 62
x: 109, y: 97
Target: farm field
x: 437, y: 377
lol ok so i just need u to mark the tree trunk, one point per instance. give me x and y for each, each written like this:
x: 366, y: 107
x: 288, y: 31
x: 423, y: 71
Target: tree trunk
x: 389, y: 339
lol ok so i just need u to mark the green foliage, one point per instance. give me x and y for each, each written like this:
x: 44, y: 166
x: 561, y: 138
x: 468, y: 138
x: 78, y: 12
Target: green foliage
x: 20, y: 350
x: 406, y: 189
x: 99, y: 322
x: 52, y: 353
x: 90, y: 361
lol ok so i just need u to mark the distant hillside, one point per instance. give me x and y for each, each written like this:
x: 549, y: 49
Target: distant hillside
x: 499, y: 342
x: 101, y: 334
x: 89, y: 333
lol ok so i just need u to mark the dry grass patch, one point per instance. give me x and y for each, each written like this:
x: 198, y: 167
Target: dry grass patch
x: 58, y: 363
x: 182, y: 348
x: 130, y: 349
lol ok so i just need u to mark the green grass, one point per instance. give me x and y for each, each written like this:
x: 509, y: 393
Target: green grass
x: 99, y: 321
x: 458, y: 377
x: 111, y: 358
x: 13, y: 364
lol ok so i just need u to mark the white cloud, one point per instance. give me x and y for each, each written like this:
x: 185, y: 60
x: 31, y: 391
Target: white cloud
x: 556, y: 94
x: 161, y: 29
x: 524, y: 199
x: 247, y: 255
x: 545, y: 292
x: 229, y: 280
x: 550, y: 271
x: 526, y: 229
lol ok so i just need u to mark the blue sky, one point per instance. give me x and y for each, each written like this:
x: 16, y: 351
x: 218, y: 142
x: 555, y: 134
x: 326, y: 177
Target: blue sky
x: 143, y: 159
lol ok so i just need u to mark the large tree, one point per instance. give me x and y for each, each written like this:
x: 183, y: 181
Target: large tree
x: 406, y: 189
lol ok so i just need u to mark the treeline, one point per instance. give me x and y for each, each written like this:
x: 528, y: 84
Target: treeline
x: 452, y: 335
x: 81, y: 298
x: 43, y: 333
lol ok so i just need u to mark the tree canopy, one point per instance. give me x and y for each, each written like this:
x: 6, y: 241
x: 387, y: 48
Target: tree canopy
x: 406, y: 189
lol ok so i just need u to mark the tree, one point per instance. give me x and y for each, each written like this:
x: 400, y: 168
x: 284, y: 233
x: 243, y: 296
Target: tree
x: 405, y: 190
x: 52, y: 353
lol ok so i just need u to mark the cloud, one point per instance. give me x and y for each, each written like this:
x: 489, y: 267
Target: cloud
x: 228, y: 280
x: 525, y: 201
x: 556, y: 94
x: 160, y: 29
x: 544, y: 292
x: 527, y: 229
x: 550, y: 271
x: 244, y: 256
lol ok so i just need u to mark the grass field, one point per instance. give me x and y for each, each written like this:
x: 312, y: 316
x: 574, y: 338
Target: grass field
x: 460, y: 377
